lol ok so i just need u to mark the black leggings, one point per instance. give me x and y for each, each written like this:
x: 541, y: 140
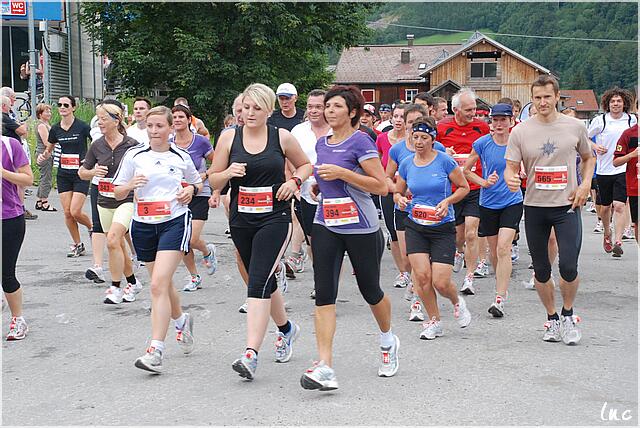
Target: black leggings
x: 568, y: 229
x: 365, y: 252
x: 95, y: 216
x: 12, y: 237
x: 387, y: 212
x: 261, y: 249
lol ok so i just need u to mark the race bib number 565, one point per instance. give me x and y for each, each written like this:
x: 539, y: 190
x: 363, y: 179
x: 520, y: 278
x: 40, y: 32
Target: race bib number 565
x: 551, y: 177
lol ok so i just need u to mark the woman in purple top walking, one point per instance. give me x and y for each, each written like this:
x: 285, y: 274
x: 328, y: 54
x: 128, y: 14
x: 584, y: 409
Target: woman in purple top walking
x: 16, y: 174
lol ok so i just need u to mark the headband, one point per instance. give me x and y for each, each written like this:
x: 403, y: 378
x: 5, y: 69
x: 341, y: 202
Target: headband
x: 423, y: 127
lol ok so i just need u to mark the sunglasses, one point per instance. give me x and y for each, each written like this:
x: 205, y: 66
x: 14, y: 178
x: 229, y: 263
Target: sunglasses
x: 284, y: 97
x: 65, y: 105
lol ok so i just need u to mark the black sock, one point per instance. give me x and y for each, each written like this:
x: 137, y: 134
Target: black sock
x: 553, y: 317
x: 567, y: 312
x: 115, y: 284
x: 285, y: 329
x: 131, y: 279
x: 251, y: 349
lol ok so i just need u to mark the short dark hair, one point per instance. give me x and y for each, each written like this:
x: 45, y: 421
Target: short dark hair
x: 352, y: 97
x: 414, y: 107
x: 517, y: 103
x: 425, y: 96
x: 143, y: 99
x: 71, y: 98
x: 505, y: 100
x: 440, y: 100
x: 626, y: 96
x: 544, y: 80
x: 183, y: 109
x: 317, y: 93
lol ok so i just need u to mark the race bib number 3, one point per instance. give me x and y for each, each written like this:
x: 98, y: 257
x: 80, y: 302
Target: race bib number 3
x: 340, y: 211
x: 69, y: 161
x: 255, y: 200
x: 551, y: 177
x: 425, y: 215
x: 151, y: 210
x: 105, y: 187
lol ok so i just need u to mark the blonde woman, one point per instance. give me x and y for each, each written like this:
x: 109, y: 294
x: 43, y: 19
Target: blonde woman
x: 45, y: 165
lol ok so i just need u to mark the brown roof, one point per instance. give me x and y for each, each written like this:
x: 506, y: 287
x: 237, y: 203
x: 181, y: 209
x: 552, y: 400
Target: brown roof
x: 381, y: 64
x: 581, y: 99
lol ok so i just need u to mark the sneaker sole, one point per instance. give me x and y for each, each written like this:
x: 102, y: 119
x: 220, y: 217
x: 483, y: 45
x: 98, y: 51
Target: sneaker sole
x: 110, y: 302
x: 242, y: 370
x: 311, y: 384
x: 92, y: 276
x: 497, y: 313
x: 617, y: 252
x: 431, y: 338
x: 552, y: 339
x: 382, y: 374
x: 139, y: 364
x: 416, y: 318
x: 467, y: 291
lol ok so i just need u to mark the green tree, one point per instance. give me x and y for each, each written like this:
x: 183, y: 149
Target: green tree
x: 209, y: 52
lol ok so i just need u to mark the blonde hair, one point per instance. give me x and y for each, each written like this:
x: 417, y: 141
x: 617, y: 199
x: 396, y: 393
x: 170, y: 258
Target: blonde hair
x: 115, y: 113
x: 262, y: 95
x: 161, y: 111
x: 40, y: 108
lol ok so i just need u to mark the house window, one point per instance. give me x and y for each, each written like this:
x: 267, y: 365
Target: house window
x: 422, y: 66
x: 484, y: 69
x: 579, y: 102
x: 369, y: 95
x: 409, y: 94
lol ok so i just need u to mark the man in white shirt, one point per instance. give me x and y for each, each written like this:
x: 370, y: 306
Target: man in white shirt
x: 138, y: 130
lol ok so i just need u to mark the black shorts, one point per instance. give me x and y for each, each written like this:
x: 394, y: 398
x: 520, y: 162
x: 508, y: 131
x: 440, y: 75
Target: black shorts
x: 72, y: 183
x: 95, y: 216
x: 633, y: 207
x: 594, y: 183
x: 199, y: 207
x: 492, y: 220
x: 612, y: 188
x: 468, y: 207
x: 437, y: 241
x: 308, y: 212
x: 400, y: 218
x: 172, y: 235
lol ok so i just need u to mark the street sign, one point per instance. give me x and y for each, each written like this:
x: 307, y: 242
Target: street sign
x: 14, y: 8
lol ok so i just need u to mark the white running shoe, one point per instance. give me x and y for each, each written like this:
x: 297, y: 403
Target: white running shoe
x: 552, y: 331
x: 244, y: 308
x: 95, y: 274
x: 432, y: 329
x: 569, y: 331
x: 150, y: 361
x: 497, y: 308
x: 599, y: 227
x: 195, y: 283
x: 416, y: 313
x: 482, y: 270
x: 281, y: 278
x: 400, y: 281
x: 211, y: 261
x: 628, y: 234
x: 461, y: 313
x: 113, y: 296
x: 184, y: 337
x: 467, y: 285
x: 531, y: 284
x: 320, y: 377
x: 458, y: 261
x: 129, y: 294
x: 389, y: 364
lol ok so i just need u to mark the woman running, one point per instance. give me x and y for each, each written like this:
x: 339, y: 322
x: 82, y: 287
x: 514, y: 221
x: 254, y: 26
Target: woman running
x: 45, y: 163
x: 161, y: 226
x: 200, y: 150
x: 348, y: 171
x: 251, y: 159
x: 102, y: 160
x: 16, y: 174
x: 430, y: 227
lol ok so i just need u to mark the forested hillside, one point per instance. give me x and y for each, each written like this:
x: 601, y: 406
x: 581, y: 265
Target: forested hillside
x: 579, y: 64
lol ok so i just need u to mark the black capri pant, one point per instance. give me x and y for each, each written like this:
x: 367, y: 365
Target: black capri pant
x: 568, y: 228
x: 95, y: 216
x: 387, y: 212
x: 13, y: 230
x: 261, y: 249
x: 365, y: 252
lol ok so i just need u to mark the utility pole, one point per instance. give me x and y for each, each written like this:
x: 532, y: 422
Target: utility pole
x: 33, y: 62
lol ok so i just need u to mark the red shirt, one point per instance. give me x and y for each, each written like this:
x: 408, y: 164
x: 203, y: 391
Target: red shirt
x: 383, y: 144
x: 461, y: 138
x: 627, y: 143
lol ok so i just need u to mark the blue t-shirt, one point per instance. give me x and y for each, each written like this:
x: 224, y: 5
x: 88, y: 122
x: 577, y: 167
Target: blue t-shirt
x: 346, y: 154
x: 429, y: 184
x: 492, y: 155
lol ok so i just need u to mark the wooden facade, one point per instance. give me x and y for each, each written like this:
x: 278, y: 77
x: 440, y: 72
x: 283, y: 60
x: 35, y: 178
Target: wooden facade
x: 388, y: 93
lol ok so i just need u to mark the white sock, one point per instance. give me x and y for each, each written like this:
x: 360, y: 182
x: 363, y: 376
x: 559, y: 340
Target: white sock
x: 180, y: 321
x: 158, y: 344
x: 386, y: 339
x: 20, y: 318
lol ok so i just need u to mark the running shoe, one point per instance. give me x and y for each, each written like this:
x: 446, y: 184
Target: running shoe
x: 606, y: 244
x: 211, y: 261
x: 617, y: 249
x: 246, y: 365
x: 296, y: 263
x: 467, y: 285
x: 458, y: 261
x: 569, y: 331
x: 313, y: 294
x: 243, y: 308
x: 319, y: 376
x: 281, y: 277
x: 18, y: 329
x: 389, y: 242
x: 531, y: 284
x: 552, y: 331
x: 482, y: 270
x: 76, y: 250
x: 461, y: 313
x: 408, y: 293
x: 284, y: 343
x: 195, y: 283
x: 389, y: 364
x: 515, y: 253
x: 95, y: 274
x: 416, y: 313
x: 129, y: 293
x: 184, y: 337
x: 137, y: 287
x: 150, y: 361
x: 591, y: 207
x: 599, y: 228
x: 497, y: 308
x: 288, y: 270
x: 432, y: 329
x: 401, y: 281
x: 113, y: 295
x: 530, y: 265
x: 628, y: 234
x: 137, y: 264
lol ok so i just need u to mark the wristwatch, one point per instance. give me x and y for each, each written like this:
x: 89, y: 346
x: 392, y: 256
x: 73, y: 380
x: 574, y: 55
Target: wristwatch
x: 297, y: 180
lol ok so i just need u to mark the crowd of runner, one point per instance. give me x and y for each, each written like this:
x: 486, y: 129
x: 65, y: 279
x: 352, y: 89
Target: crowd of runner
x: 333, y: 181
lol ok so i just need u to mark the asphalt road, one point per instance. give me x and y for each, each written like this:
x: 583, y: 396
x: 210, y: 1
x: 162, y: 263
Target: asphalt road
x: 76, y: 365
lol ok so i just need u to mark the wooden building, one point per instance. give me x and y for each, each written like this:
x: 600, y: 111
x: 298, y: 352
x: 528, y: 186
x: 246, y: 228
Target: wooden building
x: 584, y: 101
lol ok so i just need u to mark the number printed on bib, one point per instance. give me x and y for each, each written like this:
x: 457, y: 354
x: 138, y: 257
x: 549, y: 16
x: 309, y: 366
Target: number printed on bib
x: 105, y: 187
x: 461, y: 159
x: 551, y: 177
x: 150, y: 209
x: 340, y: 211
x: 255, y: 200
x: 425, y: 215
x: 69, y: 161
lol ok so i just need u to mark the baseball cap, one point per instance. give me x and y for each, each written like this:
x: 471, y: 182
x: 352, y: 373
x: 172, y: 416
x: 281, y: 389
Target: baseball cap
x: 385, y: 107
x: 287, y: 89
x: 501, y: 110
x: 370, y: 109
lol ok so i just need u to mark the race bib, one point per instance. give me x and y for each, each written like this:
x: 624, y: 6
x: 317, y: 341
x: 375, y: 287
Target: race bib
x: 340, y: 211
x: 69, y: 161
x: 255, y: 200
x: 551, y: 177
x: 425, y: 215
x: 105, y: 187
x: 461, y: 159
x: 150, y: 209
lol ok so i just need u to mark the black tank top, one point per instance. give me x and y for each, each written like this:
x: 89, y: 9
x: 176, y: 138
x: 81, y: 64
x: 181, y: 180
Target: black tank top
x: 265, y: 169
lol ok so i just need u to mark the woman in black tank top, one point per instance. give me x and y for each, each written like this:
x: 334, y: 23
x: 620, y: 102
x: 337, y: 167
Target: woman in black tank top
x: 252, y: 160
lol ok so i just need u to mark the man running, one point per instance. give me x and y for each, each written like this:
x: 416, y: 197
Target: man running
x: 627, y: 152
x: 138, y: 130
x: 288, y: 116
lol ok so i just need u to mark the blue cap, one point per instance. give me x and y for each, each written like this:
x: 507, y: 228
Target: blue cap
x: 385, y: 107
x: 501, y: 110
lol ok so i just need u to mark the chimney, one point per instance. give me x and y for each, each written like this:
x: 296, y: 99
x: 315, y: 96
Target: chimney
x: 405, y: 56
x: 410, y: 38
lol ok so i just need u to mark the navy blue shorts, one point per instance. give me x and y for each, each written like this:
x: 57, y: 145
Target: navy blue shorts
x: 172, y: 235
